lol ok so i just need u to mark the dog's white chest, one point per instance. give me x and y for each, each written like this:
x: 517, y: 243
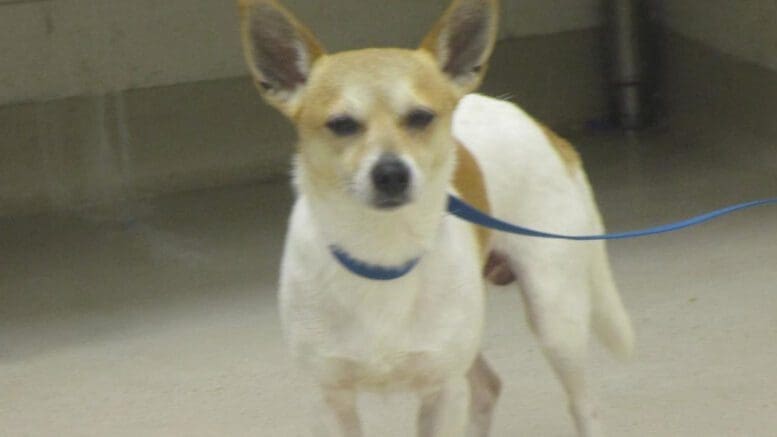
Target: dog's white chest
x: 411, y: 331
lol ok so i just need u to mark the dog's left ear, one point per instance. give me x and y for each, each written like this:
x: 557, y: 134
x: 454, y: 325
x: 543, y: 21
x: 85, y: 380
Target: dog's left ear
x: 463, y: 39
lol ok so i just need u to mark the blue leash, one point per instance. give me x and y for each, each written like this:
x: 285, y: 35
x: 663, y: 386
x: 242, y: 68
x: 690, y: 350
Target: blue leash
x: 467, y: 212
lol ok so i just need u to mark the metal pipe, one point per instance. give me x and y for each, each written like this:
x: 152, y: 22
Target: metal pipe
x: 627, y: 67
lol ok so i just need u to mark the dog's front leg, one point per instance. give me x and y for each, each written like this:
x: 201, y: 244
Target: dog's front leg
x: 484, y: 386
x: 445, y: 411
x: 341, y: 409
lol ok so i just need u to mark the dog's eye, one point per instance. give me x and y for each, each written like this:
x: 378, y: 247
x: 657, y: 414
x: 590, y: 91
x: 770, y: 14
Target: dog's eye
x: 420, y: 118
x: 344, y: 125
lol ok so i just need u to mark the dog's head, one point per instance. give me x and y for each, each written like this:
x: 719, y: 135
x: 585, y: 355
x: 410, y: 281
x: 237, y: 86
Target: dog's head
x: 374, y: 124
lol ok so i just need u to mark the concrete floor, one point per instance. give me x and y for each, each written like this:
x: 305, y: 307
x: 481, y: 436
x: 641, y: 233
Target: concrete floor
x: 160, y: 319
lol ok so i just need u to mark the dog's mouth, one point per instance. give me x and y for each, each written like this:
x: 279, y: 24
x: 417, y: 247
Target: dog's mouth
x: 384, y: 203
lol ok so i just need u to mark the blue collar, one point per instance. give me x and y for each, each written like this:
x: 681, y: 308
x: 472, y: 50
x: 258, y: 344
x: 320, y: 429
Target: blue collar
x: 371, y: 271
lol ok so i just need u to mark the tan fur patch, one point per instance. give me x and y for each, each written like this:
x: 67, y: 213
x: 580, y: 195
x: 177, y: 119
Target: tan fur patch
x: 469, y: 182
x: 564, y: 148
x: 379, y: 76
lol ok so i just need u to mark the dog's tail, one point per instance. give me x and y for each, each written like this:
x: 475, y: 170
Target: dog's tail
x: 611, y: 322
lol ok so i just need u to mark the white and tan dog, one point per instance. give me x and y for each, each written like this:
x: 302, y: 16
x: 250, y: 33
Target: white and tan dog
x: 384, y: 136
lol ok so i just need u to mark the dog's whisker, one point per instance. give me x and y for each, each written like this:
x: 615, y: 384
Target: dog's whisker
x: 508, y: 97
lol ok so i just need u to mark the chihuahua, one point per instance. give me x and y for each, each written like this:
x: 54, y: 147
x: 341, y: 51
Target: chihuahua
x: 385, y: 135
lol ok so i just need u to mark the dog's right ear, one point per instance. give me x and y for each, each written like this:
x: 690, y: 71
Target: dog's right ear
x: 463, y: 39
x: 279, y: 50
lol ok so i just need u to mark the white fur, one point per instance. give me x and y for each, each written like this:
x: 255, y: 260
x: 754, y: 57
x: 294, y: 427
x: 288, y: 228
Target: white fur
x: 419, y: 333
x: 529, y: 184
x: 567, y: 285
x: 423, y: 331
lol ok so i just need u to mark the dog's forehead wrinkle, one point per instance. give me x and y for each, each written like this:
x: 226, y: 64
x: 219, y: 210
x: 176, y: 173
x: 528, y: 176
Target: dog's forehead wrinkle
x: 356, y: 99
x: 388, y: 100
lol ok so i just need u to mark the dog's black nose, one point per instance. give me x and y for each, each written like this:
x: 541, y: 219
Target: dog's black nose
x: 391, y: 177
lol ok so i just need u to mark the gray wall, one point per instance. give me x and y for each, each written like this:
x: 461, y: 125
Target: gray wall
x: 60, y: 48
x: 145, y: 97
x: 746, y: 29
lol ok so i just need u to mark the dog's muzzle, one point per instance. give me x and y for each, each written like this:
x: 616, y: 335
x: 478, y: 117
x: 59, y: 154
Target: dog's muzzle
x: 391, y: 179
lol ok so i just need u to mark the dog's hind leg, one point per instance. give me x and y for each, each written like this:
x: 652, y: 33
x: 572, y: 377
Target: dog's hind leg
x: 485, y: 386
x: 445, y: 412
x: 341, y: 405
x: 555, y: 282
